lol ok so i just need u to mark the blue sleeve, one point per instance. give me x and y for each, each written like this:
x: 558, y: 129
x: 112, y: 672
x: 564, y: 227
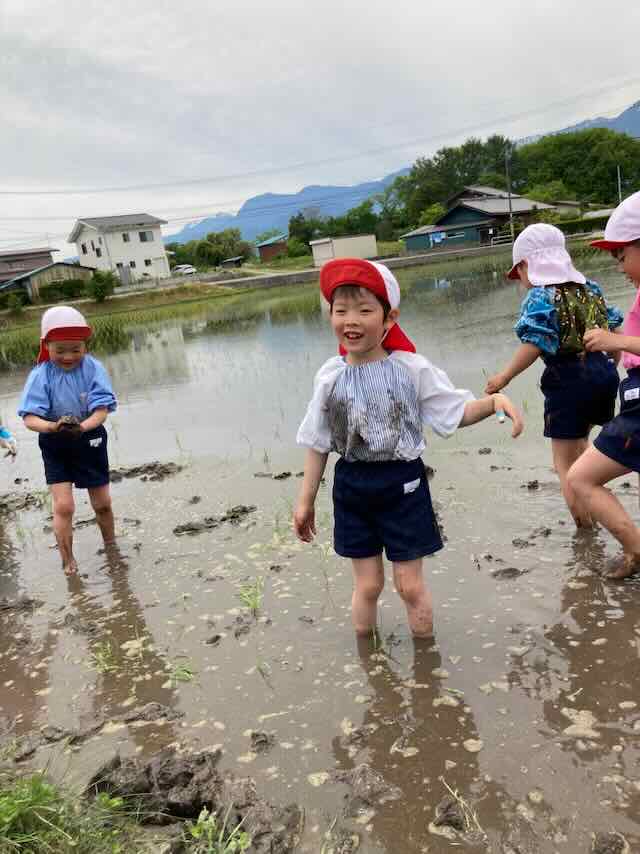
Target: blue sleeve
x: 538, y: 322
x: 100, y: 394
x: 615, y: 317
x: 35, y: 396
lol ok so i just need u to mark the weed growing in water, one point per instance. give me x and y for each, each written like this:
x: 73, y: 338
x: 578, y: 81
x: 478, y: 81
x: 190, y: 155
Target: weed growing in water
x: 208, y: 835
x: 250, y: 595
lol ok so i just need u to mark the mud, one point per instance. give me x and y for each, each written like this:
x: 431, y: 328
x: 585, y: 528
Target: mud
x: 12, y: 502
x: 170, y: 786
x: 154, y: 472
x: 234, y: 516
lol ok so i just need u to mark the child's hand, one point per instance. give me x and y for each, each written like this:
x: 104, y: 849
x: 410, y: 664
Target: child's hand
x: 304, y: 522
x: 495, y: 383
x: 8, y: 442
x: 598, y: 340
x: 501, y: 403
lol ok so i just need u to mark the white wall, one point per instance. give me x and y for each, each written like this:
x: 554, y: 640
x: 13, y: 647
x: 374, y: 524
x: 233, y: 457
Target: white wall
x: 360, y: 246
x: 116, y: 251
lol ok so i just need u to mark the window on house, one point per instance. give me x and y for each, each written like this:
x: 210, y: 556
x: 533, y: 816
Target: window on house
x: 84, y: 248
x: 93, y: 246
x: 126, y: 237
x: 100, y: 241
x: 145, y: 236
x: 147, y: 262
x: 119, y: 265
x: 132, y: 264
x: 99, y: 252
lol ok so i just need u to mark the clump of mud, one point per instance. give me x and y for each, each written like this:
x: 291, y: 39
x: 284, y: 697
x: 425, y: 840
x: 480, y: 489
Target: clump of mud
x: 23, y: 604
x: 368, y: 788
x: 171, y: 786
x: 154, y: 471
x: 234, y: 516
x: 610, y: 843
x: 11, y: 502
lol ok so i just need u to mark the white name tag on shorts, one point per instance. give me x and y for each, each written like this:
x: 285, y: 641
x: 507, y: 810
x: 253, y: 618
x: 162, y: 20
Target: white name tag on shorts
x: 95, y: 443
x: 411, y: 486
x: 632, y: 394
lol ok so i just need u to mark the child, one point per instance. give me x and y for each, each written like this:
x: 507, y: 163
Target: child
x: 370, y: 405
x: 66, y: 400
x: 616, y: 451
x: 579, y: 388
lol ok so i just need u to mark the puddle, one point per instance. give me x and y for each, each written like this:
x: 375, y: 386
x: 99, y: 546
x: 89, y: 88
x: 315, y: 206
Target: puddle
x: 516, y: 730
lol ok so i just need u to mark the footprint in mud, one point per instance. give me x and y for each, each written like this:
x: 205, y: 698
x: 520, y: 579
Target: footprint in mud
x: 508, y: 572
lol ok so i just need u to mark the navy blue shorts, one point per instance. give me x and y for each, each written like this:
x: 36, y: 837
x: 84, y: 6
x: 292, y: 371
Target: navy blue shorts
x: 383, y: 505
x: 80, y: 460
x: 578, y: 393
x: 620, y: 438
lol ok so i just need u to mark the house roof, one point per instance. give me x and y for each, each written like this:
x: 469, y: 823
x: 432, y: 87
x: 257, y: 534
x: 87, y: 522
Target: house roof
x: 597, y: 214
x: 478, y: 190
x: 500, y: 207
x: 23, y: 253
x: 279, y: 238
x: 108, y: 223
x: 17, y: 279
x: 433, y: 229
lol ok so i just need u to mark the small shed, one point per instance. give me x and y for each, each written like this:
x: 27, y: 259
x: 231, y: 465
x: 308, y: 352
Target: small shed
x: 272, y: 247
x: 58, y: 271
x: 236, y: 261
x: 356, y: 246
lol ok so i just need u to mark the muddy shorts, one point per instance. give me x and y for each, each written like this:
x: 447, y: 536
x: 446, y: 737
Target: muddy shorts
x: 383, y: 505
x: 579, y: 391
x: 80, y: 460
x: 620, y: 438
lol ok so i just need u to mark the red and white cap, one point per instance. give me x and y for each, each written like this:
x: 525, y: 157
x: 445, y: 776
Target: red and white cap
x: 62, y: 323
x: 543, y: 247
x: 623, y: 226
x: 373, y: 277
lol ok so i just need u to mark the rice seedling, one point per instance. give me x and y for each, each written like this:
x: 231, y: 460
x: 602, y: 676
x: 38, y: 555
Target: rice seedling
x: 181, y: 672
x: 250, y: 594
x: 469, y: 815
x: 212, y: 835
x: 103, y: 657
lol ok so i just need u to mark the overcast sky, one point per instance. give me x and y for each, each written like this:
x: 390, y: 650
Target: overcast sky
x: 225, y: 99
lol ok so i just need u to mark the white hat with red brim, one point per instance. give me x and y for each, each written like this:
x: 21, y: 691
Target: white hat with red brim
x: 543, y: 247
x: 623, y: 226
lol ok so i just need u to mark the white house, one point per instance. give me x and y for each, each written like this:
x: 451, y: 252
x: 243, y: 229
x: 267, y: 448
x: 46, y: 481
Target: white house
x: 130, y: 245
x: 359, y: 246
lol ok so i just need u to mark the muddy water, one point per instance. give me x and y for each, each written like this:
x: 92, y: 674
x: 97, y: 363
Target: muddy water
x: 525, y: 705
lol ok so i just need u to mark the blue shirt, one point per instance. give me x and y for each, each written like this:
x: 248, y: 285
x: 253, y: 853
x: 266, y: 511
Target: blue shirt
x: 51, y: 392
x: 538, y: 323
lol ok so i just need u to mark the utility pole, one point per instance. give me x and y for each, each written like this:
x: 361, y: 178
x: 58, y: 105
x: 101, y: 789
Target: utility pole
x: 507, y: 169
x: 619, y: 184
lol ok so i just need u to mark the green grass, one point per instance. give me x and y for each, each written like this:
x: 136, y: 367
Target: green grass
x: 211, y: 835
x: 37, y: 817
x: 250, y: 594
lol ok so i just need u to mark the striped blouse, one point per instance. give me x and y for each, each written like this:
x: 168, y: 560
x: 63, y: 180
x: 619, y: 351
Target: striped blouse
x: 376, y: 411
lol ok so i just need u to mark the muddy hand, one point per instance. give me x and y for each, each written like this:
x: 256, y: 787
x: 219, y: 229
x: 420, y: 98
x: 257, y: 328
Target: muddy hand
x: 503, y: 404
x: 494, y: 384
x: 600, y: 340
x: 304, y: 523
x: 8, y: 442
x: 69, y: 424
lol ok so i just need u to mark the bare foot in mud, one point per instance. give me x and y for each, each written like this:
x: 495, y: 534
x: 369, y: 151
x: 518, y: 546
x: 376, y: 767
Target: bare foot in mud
x: 622, y: 566
x: 70, y: 568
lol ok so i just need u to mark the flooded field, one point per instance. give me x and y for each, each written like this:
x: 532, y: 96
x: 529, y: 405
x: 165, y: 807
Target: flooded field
x: 524, y: 712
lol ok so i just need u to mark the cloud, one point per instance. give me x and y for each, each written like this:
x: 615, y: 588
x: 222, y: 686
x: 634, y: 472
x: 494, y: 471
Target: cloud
x: 149, y: 92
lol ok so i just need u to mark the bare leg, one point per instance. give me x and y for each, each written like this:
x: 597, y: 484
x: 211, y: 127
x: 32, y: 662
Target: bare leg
x: 565, y: 453
x: 100, y: 499
x: 587, y: 478
x: 63, y: 509
x: 368, y: 576
x: 407, y: 577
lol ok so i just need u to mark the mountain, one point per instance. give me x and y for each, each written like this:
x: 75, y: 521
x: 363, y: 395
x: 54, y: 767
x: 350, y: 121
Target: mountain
x: 627, y: 122
x: 273, y: 210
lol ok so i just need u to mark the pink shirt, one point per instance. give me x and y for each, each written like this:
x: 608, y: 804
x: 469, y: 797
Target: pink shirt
x: 632, y: 327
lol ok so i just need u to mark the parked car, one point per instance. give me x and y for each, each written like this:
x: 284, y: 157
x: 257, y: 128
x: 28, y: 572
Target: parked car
x: 184, y: 270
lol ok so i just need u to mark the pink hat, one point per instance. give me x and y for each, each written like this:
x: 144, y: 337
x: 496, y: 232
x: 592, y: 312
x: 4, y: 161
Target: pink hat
x: 623, y: 226
x: 62, y: 323
x: 543, y: 247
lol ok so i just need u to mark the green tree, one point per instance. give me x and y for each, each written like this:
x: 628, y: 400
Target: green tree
x: 432, y: 214
x: 305, y: 228
x: 554, y: 191
x: 101, y: 285
x: 296, y: 248
x: 267, y: 235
